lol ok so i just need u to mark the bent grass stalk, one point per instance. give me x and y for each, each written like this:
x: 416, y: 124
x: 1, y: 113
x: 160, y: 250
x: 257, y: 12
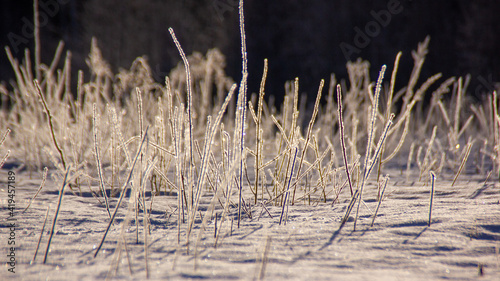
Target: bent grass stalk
x: 189, y: 111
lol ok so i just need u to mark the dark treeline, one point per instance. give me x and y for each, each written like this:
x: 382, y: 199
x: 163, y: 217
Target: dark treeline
x: 305, y: 39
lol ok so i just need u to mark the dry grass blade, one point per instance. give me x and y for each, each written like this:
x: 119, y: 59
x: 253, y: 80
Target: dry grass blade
x: 393, y: 83
x: 371, y: 131
x: 41, y: 235
x: 308, y: 134
x: 115, y: 124
x: 98, y: 160
x: 176, y: 136
x: 349, y: 209
x: 123, y: 192
x: 206, y: 153
x: 54, y: 221
x: 4, y: 159
x: 380, y: 144
x: 44, y: 177
x: 425, y: 165
x: 400, y: 143
x: 464, y: 160
x: 226, y: 182
x: 342, y: 138
x: 287, y: 190
x: 282, y: 131
x: 51, y: 125
x: 7, y: 132
x: 189, y: 110
x: 258, y: 130
x: 433, y: 179
x: 145, y: 219
x: 380, y: 199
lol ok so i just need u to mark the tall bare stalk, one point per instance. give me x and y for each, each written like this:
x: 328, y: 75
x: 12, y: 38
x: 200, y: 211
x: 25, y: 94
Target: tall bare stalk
x: 241, y: 107
x: 258, y: 130
x: 98, y: 160
x: 308, y: 134
x: 342, y: 138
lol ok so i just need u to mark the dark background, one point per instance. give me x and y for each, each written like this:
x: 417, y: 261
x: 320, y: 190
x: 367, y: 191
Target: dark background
x: 300, y: 38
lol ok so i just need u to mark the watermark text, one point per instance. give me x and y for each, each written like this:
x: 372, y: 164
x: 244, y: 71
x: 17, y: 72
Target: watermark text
x: 12, y: 222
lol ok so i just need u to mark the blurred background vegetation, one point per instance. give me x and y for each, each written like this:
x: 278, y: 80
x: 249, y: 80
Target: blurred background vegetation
x: 300, y: 38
